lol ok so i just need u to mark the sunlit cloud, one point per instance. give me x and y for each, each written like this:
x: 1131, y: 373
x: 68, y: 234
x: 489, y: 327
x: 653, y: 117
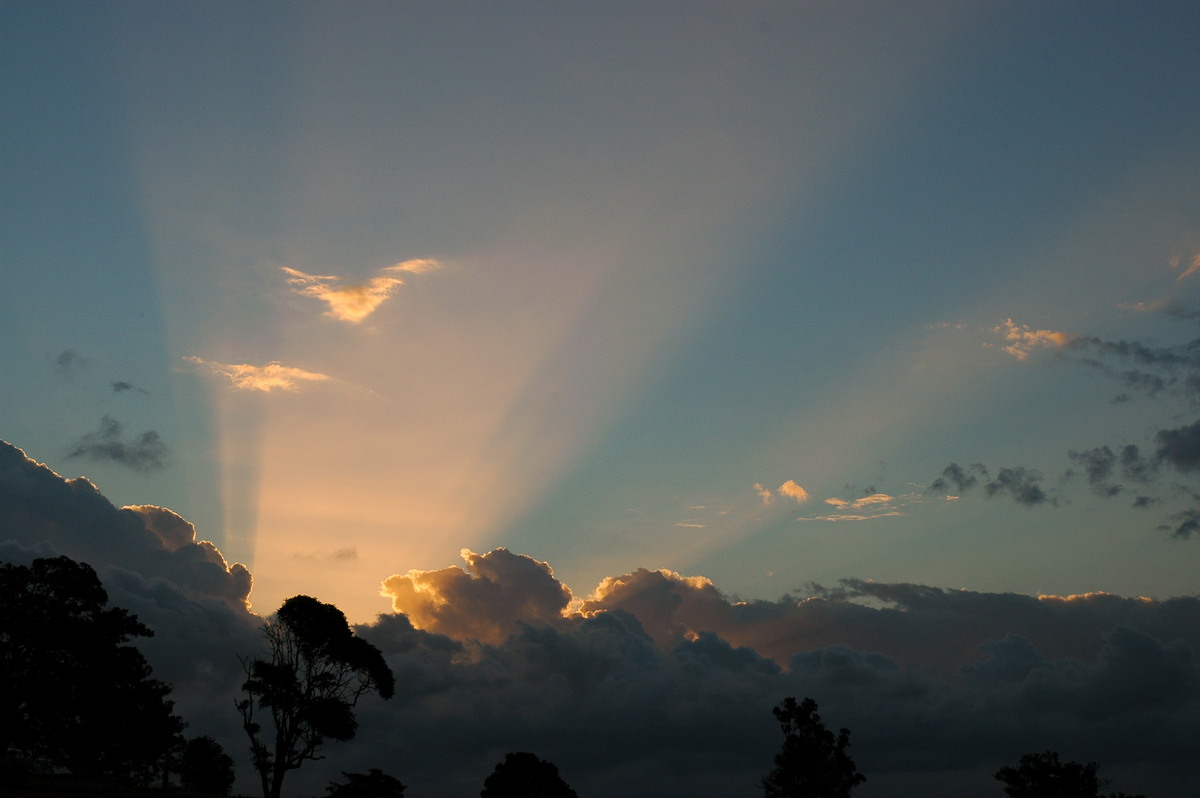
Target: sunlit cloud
x: 836, y: 517
x: 1192, y: 267
x: 764, y: 493
x: 355, y: 301
x: 858, y: 504
x: 269, y: 377
x: 689, y: 525
x: 793, y: 491
x: 1022, y: 339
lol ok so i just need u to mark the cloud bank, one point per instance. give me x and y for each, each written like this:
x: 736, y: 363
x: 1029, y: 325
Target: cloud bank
x: 656, y: 682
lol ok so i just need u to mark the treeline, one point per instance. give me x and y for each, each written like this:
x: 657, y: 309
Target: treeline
x: 79, y: 698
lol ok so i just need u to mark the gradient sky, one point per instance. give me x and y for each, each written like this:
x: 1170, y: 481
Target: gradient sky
x: 720, y: 288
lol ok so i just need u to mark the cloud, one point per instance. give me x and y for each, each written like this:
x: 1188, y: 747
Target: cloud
x: 121, y: 387
x: 146, y: 452
x: 1101, y: 464
x: 1018, y: 483
x: 69, y: 361
x: 266, y: 378
x: 1192, y: 267
x: 1180, y: 447
x: 858, y: 504
x: 764, y: 493
x: 959, y: 478
x: 793, y: 491
x: 486, y: 601
x: 658, y: 678
x: 355, y: 301
x: 1022, y: 339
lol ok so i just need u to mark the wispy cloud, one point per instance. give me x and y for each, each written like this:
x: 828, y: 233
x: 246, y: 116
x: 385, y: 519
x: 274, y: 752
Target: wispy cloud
x: 269, y: 377
x: 858, y: 504
x: 68, y: 361
x: 353, y: 302
x: 1023, y: 339
x: 1191, y: 268
x: 146, y: 452
x: 121, y: 386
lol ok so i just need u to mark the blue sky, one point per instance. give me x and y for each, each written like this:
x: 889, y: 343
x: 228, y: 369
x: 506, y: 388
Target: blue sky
x: 678, y: 253
x: 695, y: 309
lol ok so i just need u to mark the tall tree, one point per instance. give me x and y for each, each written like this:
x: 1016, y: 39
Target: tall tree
x: 76, y: 696
x: 523, y: 775
x: 812, y: 762
x: 314, y: 673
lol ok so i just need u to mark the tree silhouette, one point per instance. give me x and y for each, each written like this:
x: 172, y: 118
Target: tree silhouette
x: 1044, y: 776
x: 205, y: 767
x: 373, y: 784
x: 310, y: 682
x: 812, y: 762
x: 76, y: 696
x: 523, y: 775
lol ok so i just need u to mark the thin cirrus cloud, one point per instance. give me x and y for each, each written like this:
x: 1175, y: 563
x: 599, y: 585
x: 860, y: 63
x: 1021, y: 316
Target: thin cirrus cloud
x: 353, y: 302
x: 272, y: 376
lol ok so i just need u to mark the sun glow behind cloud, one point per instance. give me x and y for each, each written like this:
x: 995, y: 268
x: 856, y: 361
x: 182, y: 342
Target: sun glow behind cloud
x: 570, y: 275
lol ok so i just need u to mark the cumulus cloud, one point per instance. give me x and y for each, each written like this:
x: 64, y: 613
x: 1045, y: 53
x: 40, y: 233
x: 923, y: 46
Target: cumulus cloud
x: 269, y: 377
x: 1022, y: 339
x: 145, y: 452
x: 486, y: 601
x: 353, y: 302
x: 151, y: 563
x: 658, y: 679
x: 793, y: 491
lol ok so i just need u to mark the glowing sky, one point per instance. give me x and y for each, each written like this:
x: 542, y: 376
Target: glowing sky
x: 720, y: 288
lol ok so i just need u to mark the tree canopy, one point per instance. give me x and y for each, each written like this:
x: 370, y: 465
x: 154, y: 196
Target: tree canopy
x: 524, y: 775
x: 314, y: 673
x: 1042, y: 775
x: 373, y: 784
x: 205, y: 767
x: 77, y: 697
x: 812, y: 762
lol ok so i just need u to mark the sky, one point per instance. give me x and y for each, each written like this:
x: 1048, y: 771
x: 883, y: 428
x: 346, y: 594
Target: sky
x: 398, y: 304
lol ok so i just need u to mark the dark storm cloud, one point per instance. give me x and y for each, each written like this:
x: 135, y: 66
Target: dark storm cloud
x: 145, y: 452
x: 657, y: 683
x: 151, y: 563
